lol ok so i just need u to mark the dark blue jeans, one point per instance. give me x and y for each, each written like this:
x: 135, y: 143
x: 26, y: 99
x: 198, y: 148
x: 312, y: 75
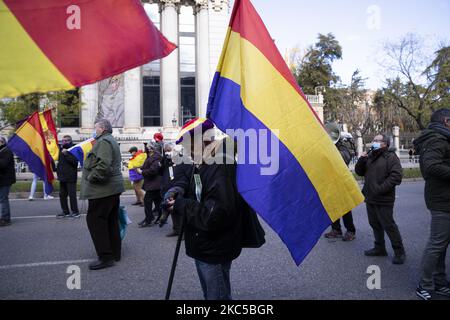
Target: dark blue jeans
x: 215, y: 280
x: 4, y: 203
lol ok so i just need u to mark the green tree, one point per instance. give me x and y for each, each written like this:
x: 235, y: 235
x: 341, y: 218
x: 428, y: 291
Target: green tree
x: 350, y: 105
x: 66, y: 104
x: 315, y: 68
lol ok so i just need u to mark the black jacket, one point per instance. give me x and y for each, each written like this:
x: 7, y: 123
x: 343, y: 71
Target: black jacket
x: 213, y: 226
x: 434, y: 150
x: 382, y: 171
x: 7, y: 170
x: 67, y: 166
x: 345, y: 152
x: 151, y: 171
x: 178, y: 172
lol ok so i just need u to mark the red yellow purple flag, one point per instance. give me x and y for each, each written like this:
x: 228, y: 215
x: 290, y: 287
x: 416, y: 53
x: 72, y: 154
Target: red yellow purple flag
x: 51, y: 45
x: 50, y: 134
x: 253, y: 89
x: 28, y: 143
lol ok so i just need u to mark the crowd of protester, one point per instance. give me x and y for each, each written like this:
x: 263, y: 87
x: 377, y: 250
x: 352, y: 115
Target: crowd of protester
x: 202, y: 199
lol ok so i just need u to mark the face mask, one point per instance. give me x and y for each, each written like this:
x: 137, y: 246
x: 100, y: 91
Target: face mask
x: 94, y: 134
x: 168, y: 155
x: 376, y: 145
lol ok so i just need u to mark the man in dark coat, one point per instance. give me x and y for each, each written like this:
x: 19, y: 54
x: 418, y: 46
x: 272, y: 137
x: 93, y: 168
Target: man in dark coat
x: 7, y: 178
x: 67, y: 176
x: 172, y: 174
x: 212, y: 212
x: 434, y: 148
x: 382, y: 172
x: 151, y: 171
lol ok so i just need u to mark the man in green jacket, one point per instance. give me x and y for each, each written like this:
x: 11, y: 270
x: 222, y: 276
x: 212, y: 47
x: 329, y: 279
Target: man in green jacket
x: 101, y: 184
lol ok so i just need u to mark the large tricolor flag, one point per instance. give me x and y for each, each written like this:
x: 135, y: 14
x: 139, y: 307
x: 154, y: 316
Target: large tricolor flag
x: 29, y: 144
x: 50, y: 45
x: 254, y: 89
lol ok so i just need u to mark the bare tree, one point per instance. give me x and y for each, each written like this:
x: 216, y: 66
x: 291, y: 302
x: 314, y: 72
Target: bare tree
x: 412, y: 87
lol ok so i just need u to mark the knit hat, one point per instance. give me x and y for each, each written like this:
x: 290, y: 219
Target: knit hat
x: 193, y: 126
x: 158, y: 137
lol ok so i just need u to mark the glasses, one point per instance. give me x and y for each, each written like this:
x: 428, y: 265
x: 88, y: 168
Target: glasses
x: 377, y: 140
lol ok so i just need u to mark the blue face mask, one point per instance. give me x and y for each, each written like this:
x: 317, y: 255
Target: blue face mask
x: 376, y: 145
x: 94, y: 134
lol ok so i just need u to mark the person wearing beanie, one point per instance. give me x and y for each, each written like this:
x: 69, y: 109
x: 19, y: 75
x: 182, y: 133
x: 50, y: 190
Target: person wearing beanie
x: 211, y: 217
x: 138, y: 158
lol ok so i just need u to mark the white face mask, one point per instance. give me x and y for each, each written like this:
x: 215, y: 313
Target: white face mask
x: 376, y: 145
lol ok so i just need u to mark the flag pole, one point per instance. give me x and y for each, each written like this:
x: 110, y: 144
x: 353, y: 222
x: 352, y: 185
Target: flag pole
x: 177, y: 249
x: 174, y: 263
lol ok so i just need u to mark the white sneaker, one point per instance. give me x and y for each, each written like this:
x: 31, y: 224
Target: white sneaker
x: 48, y: 197
x: 30, y: 198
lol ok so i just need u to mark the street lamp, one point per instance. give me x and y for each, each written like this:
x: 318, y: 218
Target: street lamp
x: 174, y: 121
x: 321, y: 88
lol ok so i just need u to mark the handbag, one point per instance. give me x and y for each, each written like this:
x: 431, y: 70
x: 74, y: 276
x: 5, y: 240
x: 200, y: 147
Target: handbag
x: 124, y: 221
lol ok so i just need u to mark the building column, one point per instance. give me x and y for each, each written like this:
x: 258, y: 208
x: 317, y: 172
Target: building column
x: 359, y: 143
x: 170, y: 76
x: 132, y: 100
x: 89, y: 108
x: 396, y: 133
x: 202, y: 56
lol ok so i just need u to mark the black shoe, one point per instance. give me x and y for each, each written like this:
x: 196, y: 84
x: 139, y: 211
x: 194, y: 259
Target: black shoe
x: 74, y: 215
x: 137, y: 203
x: 375, y: 252
x: 145, y: 224
x: 423, y: 294
x: 399, y: 258
x: 4, y: 223
x: 443, y: 291
x: 62, y: 215
x: 172, y: 234
x: 100, y: 264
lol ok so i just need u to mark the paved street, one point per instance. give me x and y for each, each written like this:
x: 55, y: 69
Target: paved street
x: 37, y: 249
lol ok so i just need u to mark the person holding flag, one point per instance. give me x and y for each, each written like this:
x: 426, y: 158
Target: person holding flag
x: 102, y: 184
x: 67, y: 171
x: 7, y: 178
x: 136, y: 161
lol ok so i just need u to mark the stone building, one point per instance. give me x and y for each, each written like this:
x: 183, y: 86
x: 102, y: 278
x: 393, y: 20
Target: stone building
x: 164, y: 94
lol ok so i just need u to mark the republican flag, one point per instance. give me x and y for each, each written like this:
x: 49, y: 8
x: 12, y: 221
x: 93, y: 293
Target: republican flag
x: 254, y: 89
x: 28, y: 143
x: 51, y: 45
x: 49, y: 130
x: 81, y: 150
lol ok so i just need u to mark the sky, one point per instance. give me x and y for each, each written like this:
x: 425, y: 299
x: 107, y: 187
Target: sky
x: 360, y: 26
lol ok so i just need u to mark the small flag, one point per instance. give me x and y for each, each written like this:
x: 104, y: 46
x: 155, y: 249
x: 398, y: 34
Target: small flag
x: 81, y: 150
x: 29, y: 144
